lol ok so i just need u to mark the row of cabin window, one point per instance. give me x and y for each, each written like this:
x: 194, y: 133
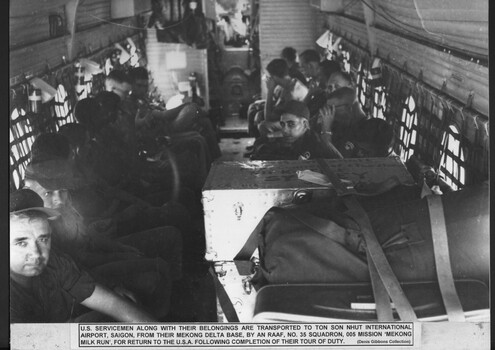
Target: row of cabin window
x: 451, y: 167
x: 23, y: 133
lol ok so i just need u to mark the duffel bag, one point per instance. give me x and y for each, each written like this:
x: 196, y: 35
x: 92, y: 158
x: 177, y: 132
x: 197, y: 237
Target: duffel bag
x: 297, y: 246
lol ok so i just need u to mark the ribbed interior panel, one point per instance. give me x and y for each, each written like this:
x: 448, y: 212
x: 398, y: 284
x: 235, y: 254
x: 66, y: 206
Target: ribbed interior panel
x: 461, y: 76
x: 92, y: 12
x: 287, y: 23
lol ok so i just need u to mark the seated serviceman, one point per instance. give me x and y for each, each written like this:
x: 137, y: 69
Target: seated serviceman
x: 317, y: 95
x: 185, y: 118
x: 280, y: 89
x: 327, y: 70
x: 77, y: 135
x: 53, y: 180
x: 108, y: 172
x: 310, y: 66
x: 298, y: 141
x: 188, y: 131
x: 369, y: 138
x: 46, y: 284
x: 341, y: 112
x: 49, y: 146
x: 108, y: 256
x: 289, y: 54
x: 337, y: 80
x: 125, y: 131
x: 118, y: 82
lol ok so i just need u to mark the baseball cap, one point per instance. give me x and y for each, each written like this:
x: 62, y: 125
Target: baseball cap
x: 375, y: 132
x: 52, y: 174
x: 25, y: 199
x: 50, y: 146
x: 296, y: 108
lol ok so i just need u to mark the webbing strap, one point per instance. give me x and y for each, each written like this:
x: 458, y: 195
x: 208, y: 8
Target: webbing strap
x: 382, y: 300
x: 336, y: 233
x: 385, y: 272
x: 378, y: 258
x: 445, y: 277
x: 250, y: 245
x: 223, y: 298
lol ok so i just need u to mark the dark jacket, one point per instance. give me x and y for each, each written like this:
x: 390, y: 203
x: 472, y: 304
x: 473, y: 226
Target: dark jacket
x: 309, y: 146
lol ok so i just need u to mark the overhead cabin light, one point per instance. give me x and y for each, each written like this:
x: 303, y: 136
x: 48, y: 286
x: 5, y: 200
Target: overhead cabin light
x: 47, y: 91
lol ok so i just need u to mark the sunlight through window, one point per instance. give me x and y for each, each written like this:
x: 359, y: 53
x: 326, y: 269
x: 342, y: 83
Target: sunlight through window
x: 451, y: 164
x: 407, y: 131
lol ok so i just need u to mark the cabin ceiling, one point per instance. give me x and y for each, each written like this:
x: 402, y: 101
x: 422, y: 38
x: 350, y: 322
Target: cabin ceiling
x: 456, y: 24
x: 35, y: 49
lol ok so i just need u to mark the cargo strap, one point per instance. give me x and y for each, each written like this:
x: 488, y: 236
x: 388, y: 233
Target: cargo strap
x: 223, y: 298
x: 382, y: 300
x: 450, y: 298
x: 387, y: 279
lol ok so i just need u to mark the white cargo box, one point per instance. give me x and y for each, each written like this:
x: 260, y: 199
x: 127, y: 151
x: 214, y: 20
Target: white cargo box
x: 236, y: 195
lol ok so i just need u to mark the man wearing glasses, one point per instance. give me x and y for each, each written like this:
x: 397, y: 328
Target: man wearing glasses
x: 298, y: 141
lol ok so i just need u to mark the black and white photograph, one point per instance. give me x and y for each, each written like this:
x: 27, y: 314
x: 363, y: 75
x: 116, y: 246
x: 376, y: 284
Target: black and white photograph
x: 233, y: 174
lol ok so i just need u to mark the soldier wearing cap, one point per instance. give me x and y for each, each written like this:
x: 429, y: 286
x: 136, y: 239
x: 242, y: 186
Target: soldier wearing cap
x: 119, y: 261
x: 47, y: 284
x: 52, y: 181
x: 298, y: 140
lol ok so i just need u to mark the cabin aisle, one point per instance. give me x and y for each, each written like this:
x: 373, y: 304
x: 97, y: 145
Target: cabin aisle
x: 234, y: 139
x: 234, y: 149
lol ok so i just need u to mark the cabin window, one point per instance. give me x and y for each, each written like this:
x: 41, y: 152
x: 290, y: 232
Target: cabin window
x: 346, y: 59
x: 361, y: 85
x: 407, y: 131
x: 371, y: 96
x: 87, y: 89
x: 97, y: 84
x: 16, y: 173
x: 62, y: 107
x: 21, y: 139
x: 88, y: 86
x: 82, y: 91
x: 452, y: 162
x: 134, y: 60
x: 379, y: 102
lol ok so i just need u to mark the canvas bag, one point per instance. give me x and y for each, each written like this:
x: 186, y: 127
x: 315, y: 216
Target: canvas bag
x: 294, y: 250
